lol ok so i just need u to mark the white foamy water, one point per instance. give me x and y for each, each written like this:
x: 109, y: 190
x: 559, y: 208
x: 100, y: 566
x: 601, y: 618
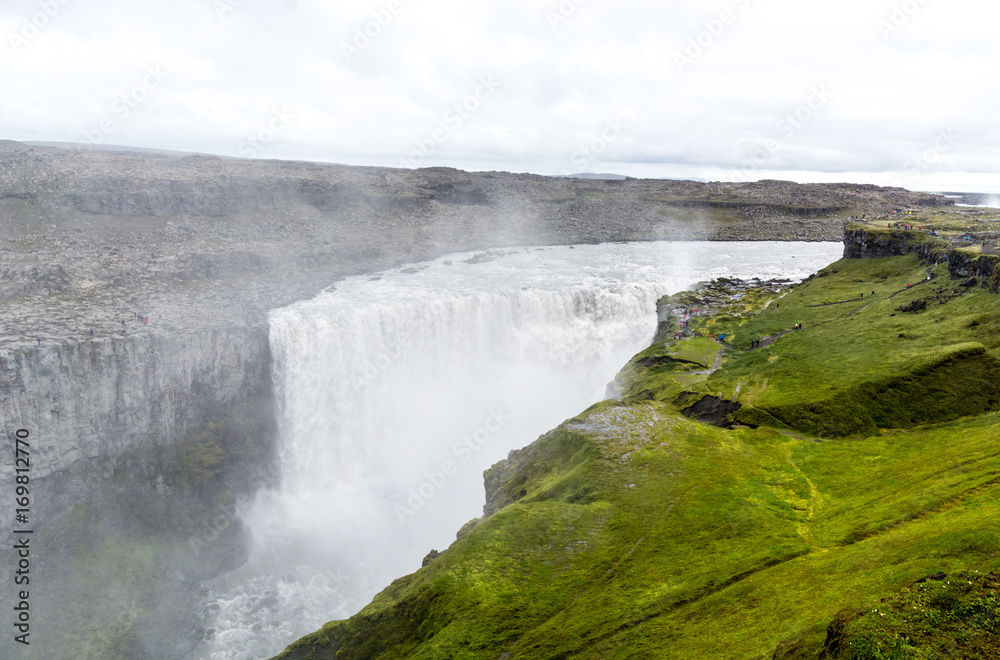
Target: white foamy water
x: 396, y: 391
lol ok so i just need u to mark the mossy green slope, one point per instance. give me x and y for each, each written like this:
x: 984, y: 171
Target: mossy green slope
x: 860, y: 363
x: 632, y: 531
x: 947, y: 616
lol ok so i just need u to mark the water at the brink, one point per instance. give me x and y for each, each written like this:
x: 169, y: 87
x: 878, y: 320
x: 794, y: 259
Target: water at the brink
x: 396, y: 391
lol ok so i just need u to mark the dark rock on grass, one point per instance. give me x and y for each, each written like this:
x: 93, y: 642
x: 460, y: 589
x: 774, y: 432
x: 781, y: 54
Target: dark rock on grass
x: 713, y: 410
x: 934, y: 576
x: 431, y: 556
x: 914, y: 306
x: 662, y: 360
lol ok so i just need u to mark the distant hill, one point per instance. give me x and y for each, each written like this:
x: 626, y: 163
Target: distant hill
x: 118, y: 149
x: 597, y: 175
x: 619, y: 177
x: 118, y: 221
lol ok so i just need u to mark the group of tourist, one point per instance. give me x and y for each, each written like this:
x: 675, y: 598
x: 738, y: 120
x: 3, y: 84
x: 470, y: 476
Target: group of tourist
x: 685, y: 320
x: 754, y: 343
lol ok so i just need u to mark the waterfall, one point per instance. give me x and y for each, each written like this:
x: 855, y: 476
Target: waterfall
x: 396, y: 391
x: 362, y: 386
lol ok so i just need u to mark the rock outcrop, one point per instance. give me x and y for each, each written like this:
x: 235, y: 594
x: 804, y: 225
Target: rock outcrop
x: 984, y: 267
x: 86, y: 403
x: 865, y: 242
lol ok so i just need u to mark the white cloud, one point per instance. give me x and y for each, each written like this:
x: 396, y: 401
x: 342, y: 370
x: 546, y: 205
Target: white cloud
x: 228, y: 74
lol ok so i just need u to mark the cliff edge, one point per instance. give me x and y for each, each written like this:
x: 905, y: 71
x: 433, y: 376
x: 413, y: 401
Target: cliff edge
x: 856, y: 460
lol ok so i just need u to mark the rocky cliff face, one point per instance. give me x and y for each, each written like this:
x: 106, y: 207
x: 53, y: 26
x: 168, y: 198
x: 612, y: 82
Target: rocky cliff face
x: 984, y: 267
x: 865, y: 242
x: 87, y: 403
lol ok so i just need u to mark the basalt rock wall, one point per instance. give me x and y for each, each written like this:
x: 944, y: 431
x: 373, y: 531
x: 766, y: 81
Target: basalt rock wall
x: 984, y: 267
x: 867, y: 243
x: 88, y: 403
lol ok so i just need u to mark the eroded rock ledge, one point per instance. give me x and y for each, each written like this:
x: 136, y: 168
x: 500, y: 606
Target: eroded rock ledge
x: 865, y: 242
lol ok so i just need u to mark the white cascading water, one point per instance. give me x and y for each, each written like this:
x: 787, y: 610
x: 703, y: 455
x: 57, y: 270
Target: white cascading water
x: 396, y: 391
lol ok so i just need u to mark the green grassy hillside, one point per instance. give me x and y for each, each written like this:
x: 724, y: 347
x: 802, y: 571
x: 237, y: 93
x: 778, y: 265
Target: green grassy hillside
x: 865, y: 455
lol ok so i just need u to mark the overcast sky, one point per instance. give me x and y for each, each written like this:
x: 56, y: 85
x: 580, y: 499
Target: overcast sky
x: 891, y: 92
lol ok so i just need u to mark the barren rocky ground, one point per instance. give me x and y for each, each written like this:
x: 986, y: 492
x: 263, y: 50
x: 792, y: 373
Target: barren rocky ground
x: 89, y: 239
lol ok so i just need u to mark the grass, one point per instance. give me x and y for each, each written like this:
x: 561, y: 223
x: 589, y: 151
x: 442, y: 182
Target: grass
x: 957, y: 615
x: 666, y: 369
x: 863, y: 365
x: 631, y: 531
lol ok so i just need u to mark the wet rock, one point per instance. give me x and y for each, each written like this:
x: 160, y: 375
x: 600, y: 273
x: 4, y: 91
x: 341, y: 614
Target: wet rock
x: 713, y: 410
x: 661, y: 360
x: 918, y: 305
x: 934, y: 576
